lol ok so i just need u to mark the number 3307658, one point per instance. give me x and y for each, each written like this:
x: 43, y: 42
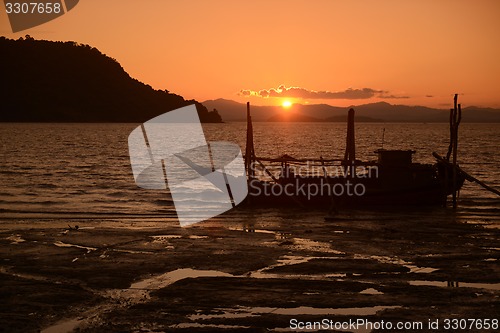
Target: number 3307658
x: 33, y: 8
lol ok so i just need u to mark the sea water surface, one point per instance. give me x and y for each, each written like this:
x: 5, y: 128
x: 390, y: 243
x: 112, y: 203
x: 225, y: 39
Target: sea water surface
x: 84, y: 169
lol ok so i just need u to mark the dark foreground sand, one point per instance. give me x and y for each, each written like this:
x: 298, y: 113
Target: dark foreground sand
x: 115, y: 276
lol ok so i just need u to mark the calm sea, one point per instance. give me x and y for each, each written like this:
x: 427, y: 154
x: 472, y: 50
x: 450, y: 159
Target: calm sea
x: 84, y: 169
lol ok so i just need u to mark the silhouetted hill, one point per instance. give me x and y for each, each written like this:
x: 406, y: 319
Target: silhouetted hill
x: 382, y: 112
x: 44, y: 81
x: 234, y: 111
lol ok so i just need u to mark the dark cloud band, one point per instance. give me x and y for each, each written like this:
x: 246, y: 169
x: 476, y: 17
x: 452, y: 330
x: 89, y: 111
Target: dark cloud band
x: 298, y: 92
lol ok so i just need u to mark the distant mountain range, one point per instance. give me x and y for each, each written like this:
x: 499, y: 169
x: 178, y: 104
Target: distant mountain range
x: 373, y: 112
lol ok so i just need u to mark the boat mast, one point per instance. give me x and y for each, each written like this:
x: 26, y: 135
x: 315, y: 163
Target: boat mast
x: 350, y: 148
x: 455, y: 118
x: 249, y: 151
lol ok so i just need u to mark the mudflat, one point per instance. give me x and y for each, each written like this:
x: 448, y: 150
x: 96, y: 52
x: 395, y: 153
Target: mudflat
x: 235, y: 274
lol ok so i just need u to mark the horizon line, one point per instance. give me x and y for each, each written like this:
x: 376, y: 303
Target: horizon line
x: 355, y: 105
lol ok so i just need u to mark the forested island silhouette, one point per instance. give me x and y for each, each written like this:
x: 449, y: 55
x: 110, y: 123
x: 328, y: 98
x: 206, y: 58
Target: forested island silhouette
x: 46, y: 81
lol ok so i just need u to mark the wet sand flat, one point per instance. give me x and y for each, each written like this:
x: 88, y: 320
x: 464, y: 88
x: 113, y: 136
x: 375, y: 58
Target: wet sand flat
x: 247, y: 271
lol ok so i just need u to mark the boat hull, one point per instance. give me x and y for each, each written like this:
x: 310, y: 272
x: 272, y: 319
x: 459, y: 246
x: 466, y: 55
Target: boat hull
x: 429, y: 185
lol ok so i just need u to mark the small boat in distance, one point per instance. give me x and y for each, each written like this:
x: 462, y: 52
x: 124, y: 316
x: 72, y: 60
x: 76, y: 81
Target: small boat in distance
x: 392, y: 179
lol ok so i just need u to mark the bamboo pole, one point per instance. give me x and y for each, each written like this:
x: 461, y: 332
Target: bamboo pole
x: 350, y: 148
x: 489, y: 188
x: 323, y: 166
x: 468, y: 176
x: 450, y: 146
x: 249, y: 151
x: 269, y: 173
x: 457, y: 117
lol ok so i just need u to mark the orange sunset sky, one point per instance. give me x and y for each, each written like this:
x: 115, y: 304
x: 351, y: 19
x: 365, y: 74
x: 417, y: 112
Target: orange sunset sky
x: 317, y: 51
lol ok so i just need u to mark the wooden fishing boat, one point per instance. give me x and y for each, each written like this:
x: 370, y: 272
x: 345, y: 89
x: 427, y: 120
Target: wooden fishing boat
x: 393, y: 179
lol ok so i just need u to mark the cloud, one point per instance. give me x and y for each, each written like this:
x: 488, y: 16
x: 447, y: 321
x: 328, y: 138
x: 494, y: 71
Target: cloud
x: 245, y: 93
x: 303, y: 93
x: 392, y: 96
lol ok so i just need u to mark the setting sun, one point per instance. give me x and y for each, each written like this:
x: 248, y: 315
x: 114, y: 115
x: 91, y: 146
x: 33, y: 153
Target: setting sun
x: 286, y: 104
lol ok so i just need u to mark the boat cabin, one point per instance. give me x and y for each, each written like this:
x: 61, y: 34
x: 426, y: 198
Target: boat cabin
x: 394, y: 158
